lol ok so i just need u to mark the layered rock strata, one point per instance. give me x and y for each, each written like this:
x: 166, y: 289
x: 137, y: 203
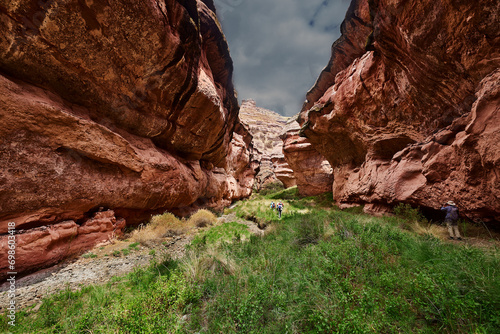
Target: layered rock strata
x: 282, y: 170
x: 266, y: 127
x: 46, y: 245
x: 407, y: 108
x: 312, y: 171
x: 123, y: 105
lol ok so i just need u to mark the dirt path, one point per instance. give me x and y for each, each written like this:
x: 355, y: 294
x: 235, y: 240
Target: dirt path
x: 100, y: 265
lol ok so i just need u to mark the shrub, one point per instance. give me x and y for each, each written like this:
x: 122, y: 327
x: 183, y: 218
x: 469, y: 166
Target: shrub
x: 89, y: 255
x: 160, y: 226
x: 202, y: 218
x: 134, y: 246
x: 407, y: 212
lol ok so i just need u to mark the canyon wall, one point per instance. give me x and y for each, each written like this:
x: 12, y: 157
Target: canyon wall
x: 266, y: 127
x: 407, y: 109
x: 119, y: 107
x: 312, y: 171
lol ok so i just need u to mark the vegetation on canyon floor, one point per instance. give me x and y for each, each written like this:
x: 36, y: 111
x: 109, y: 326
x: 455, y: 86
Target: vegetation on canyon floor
x: 316, y: 270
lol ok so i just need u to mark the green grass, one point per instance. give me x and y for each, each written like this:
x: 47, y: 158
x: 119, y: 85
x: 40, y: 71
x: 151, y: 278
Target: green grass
x: 271, y: 188
x: 225, y: 233
x: 89, y: 255
x: 134, y: 246
x: 318, y: 271
x: 290, y: 193
x: 258, y: 207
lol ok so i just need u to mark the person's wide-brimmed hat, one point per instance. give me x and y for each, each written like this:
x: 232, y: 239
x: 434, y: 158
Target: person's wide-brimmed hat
x: 450, y: 203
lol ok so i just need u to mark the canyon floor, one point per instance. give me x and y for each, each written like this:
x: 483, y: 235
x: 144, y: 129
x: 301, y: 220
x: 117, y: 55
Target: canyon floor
x: 101, y: 264
x: 382, y: 274
x: 108, y: 260
x: 312, y: 244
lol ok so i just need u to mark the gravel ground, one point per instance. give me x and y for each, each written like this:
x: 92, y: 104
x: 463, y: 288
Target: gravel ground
x: 85, y: 271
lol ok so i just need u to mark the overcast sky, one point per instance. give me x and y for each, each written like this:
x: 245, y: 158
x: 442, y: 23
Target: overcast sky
x: 279, y: 47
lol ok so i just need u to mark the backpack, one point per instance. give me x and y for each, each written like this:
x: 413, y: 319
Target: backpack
x: 454, y: 213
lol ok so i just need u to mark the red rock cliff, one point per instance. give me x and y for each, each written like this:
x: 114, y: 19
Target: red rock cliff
x: 407, y: 109
x: 125, y: 105
x: 266, y: 127
x: 313, y: 173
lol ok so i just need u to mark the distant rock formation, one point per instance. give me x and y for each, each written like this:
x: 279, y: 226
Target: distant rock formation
x: 312, y: 171
x: 266, y: 127
x: 125, y: 105
x: 282, y: 170
x: 407, y: 109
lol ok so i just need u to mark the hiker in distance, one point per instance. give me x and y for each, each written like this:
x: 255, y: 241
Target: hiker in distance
x: 451, y: 219
x: 280, y: 208
x: 273, y: 206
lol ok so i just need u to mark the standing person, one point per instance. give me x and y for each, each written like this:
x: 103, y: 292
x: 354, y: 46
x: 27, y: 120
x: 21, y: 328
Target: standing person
x: 280, y: 208
x: 451, y: 219
x: 273, y: 206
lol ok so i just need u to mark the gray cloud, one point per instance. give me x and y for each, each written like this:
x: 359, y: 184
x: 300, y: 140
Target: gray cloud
x: 279, y: 47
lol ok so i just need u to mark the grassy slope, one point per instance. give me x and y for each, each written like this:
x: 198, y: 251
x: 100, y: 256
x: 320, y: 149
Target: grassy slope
x: 318, y: 270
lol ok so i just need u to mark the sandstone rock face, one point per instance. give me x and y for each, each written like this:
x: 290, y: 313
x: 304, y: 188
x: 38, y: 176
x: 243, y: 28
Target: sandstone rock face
x: 239, y: 175
x: 266, y: 127
x: 282, y: 170
x: 44, y: 246
x: 407, y: 108
x: 123, y: 105
x: 312, y: 171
